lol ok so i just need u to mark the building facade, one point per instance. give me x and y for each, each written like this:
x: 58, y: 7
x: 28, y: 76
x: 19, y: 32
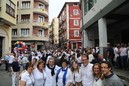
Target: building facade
x: 7, y: 19
x: 104, y: 21
x: 54, y: 34
x: 32, y: 23
x: 69, y: 26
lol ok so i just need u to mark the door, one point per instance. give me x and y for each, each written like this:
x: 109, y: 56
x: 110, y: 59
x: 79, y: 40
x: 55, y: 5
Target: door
x: 1, y: 40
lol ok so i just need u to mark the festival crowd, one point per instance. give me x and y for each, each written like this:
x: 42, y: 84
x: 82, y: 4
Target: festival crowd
x: 59, y: 67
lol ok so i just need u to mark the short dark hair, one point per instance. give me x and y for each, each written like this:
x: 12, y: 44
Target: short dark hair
x: 29, y: 64
x: 85, y: 55
x: 64, y: 60
x: 108, y: 64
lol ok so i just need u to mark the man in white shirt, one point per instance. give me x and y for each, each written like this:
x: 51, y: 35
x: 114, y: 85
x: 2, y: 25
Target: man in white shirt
x: 87, y: 74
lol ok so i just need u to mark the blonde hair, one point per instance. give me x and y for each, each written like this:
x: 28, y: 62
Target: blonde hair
x: 100, y: 74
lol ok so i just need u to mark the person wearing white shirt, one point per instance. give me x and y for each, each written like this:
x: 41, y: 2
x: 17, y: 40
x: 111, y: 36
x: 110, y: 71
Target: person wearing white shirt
x: 11, y: 59
x: 24, y: 60
x: 123, y: 56
x: 35, y: 56
x: 39, y: 74
x: 97, y: 75
x: 26, y: 78
x: 51, y: 70
x: 86, y: 71
x: 64, y: 75
x: 76, y: 73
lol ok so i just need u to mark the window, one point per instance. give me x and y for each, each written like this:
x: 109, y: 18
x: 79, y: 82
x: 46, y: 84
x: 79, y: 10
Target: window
x: 18, y: 4
x: 40, y: 33
x: 24, y: 32
x: 75, y: 12
x: 25, y: 18
x: 14, y: 32
x: 25, y: 4
x: 41, y: 6
x: 76, y: 33
x: 75, y: 4
x: 17, y: 19
x: 10, y: 8
x: 88, y: 4
x: 74, y: 45
x: 76, y: 22
x: 40, y: 19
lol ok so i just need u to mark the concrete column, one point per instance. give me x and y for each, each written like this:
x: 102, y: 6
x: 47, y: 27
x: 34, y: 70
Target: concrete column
x: 102, y: 34
x: 85, y: 39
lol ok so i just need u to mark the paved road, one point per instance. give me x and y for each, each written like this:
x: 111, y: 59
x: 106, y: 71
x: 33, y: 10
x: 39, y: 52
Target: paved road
x: 5, y: 78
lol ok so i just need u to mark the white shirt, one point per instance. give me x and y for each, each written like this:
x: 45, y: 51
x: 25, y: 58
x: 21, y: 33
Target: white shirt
x: 11, y: 58
x: 39, y: 77
x: 29, y: 79
x: 50, y: 80
x: 123, y: 51
x: 69, y: 77
x: 91, y: 57
x: 98, y: 82
x: 79, y: 59
x: 77, y: 76
x: 87, y: 75
x: 24, y: 60
x: 116, y: 53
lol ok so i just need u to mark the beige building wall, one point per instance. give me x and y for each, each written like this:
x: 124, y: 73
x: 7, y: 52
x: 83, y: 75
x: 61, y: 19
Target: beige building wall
x: 32, y: 16
x: 55, y: 31
x: 7, y: 18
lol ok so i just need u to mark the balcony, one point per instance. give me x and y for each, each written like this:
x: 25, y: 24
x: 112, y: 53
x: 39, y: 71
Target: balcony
x: 40, y: 24
x: 25, y: 20
x: 30, y: 38
x: 44, y: 1
x: 41, y: 11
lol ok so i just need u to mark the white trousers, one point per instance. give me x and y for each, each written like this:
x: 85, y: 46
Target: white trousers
x: 14, y: 78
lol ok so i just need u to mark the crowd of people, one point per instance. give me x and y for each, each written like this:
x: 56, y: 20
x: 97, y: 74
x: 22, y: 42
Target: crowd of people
x: 56, y: 67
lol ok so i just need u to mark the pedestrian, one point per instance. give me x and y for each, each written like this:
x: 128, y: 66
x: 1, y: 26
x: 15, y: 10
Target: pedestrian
x: 15, y: 69
x: 51, y: 70
x: 26, y: 78
x: 86, y: 71
x: 24, y: 60
x: 110, y: 78
x: 39, y: 74
x: 6, y: 61
x: 64, y: 75
x: 76, y: 73
x: 97, y: 75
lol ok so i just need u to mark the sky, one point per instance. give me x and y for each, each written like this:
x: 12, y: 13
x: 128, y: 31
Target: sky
x: 55, y: 7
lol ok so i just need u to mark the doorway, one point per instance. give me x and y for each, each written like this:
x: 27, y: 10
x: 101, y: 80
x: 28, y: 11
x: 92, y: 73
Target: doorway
x: 1, y: 41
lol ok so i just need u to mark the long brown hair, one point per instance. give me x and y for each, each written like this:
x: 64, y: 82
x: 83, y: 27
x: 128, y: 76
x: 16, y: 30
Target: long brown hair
x: 72, y: 69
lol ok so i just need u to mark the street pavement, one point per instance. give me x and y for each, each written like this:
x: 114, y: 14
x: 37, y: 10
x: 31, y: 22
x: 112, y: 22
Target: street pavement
x: 123, y: 74
x: 5, y: 77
